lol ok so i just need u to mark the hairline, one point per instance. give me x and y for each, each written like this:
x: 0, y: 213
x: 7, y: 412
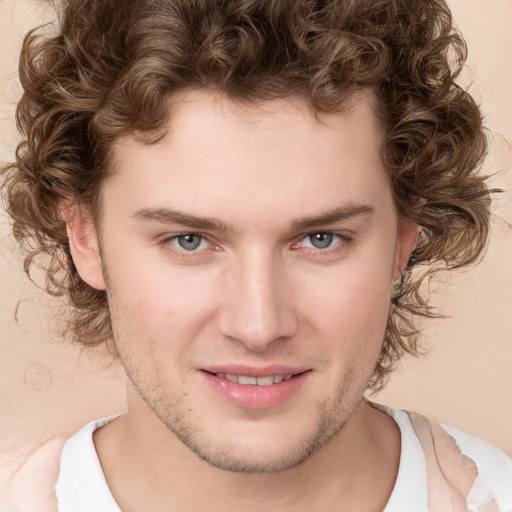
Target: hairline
x: 151, y: 137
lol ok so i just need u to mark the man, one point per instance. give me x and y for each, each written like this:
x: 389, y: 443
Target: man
x: 234, y: 195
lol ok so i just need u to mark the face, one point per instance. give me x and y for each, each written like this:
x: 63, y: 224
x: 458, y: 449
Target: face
x: 248, y: 258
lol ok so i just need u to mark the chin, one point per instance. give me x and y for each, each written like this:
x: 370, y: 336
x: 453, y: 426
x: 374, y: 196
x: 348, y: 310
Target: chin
x: 259, y: 449
x: 255, y: 461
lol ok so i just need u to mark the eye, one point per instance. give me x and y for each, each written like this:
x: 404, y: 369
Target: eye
x: 320, y: 240
x: 188, y: 242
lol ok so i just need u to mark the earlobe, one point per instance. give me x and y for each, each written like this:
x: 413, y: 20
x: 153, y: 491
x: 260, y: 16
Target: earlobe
x: 406, y: 242
x: 83, y: 243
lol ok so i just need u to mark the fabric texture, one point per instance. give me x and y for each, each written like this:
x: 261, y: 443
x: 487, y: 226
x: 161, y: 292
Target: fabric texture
x: 441, y: 469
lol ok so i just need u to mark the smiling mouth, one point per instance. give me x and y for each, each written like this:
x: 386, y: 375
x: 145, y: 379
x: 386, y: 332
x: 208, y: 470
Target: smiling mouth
x: 246, y: 380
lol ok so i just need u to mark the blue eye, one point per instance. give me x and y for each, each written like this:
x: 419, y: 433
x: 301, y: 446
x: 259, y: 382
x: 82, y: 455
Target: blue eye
x: 321, y: 240
x: 188, y: 241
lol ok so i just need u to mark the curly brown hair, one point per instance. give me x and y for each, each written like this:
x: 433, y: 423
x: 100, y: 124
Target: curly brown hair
x: 112, y: 65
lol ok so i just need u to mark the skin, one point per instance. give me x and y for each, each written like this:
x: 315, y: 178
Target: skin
x: 257, y: 291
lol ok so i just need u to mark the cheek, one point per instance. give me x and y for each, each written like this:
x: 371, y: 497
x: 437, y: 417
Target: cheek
x: 156, y: 304
x: 155, y: 324
x: 350, y: 307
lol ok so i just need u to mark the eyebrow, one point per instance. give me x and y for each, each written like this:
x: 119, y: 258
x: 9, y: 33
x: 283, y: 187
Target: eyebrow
x: 170, y: 216
x: 337, y: 215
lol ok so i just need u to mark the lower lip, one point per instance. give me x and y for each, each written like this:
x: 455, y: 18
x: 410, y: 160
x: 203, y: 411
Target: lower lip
x: 256, y: 397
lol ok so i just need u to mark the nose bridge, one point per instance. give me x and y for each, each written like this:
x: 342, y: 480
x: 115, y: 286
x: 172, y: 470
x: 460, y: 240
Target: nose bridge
x: 259, y: 309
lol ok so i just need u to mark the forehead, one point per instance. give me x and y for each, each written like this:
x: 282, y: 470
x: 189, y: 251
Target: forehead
x: 226, y: 159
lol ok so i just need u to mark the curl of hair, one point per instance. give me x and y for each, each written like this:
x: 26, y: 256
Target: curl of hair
x: 113, y: 64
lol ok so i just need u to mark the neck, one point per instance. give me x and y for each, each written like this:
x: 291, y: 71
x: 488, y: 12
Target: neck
x: 148, y: 468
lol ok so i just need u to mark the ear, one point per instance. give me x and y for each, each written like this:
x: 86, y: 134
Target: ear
x: 83, y: 243
x: 406, y: 241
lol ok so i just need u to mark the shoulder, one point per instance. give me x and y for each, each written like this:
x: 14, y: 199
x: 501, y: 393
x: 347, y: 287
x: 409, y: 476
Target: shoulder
x: 464, y: 468
x: 27, y: 480
x: 494, y: 469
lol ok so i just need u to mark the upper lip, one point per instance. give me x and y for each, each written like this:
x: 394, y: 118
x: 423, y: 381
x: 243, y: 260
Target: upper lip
x: 255, y: 371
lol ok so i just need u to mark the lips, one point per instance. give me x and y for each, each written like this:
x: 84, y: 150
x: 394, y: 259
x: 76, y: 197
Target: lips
x: 256, y: 388
x: 248, y: 380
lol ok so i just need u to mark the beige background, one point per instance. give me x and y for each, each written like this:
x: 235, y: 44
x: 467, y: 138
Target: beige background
x: 47, y: 388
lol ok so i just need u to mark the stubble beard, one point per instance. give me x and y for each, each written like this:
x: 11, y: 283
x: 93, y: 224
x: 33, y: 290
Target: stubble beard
x: 228, y: 456
x: 331, y: 413
x: 331, y: 416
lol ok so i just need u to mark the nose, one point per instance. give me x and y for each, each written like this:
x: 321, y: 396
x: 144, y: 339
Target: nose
x: 258, y: 309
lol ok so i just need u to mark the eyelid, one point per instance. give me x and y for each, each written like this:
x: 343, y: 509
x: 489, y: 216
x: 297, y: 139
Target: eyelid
x: 165, y: 241
x: 345, y: 234
x: 346, y: 238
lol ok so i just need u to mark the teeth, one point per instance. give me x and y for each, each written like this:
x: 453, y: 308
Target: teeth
x: 242, y: 379
x: 265, y: 381
x: 254, y: 381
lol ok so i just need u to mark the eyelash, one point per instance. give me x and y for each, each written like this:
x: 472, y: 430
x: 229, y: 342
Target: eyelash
x: 344, y: 242
x: 166, y: 243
